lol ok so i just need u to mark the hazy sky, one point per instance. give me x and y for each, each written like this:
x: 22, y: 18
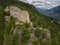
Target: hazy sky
x: 44, y: 3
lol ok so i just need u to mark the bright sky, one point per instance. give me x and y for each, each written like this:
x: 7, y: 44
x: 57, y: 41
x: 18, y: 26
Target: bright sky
x: 47, y: 4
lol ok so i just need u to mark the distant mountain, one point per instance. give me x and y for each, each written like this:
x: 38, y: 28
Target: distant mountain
x: 54, y: 12
x: 42, y: 10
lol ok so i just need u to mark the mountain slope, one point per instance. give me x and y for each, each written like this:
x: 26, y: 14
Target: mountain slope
x: 1, y: 25
x: 38, y: 21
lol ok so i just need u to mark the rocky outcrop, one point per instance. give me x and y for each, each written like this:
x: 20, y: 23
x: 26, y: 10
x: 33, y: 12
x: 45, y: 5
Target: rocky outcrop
x: 20, y: 15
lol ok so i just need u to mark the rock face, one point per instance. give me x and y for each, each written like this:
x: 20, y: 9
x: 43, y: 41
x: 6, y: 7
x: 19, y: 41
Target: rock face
x: 47, y: 34
x: 21, y: 15
x: 7, y: 18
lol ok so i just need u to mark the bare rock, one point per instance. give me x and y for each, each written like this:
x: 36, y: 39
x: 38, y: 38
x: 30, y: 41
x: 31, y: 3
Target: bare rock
x: 21, y: 15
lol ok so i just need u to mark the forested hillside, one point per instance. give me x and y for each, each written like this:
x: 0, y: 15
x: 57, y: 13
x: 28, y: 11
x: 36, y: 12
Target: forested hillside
x: 20, y: 34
